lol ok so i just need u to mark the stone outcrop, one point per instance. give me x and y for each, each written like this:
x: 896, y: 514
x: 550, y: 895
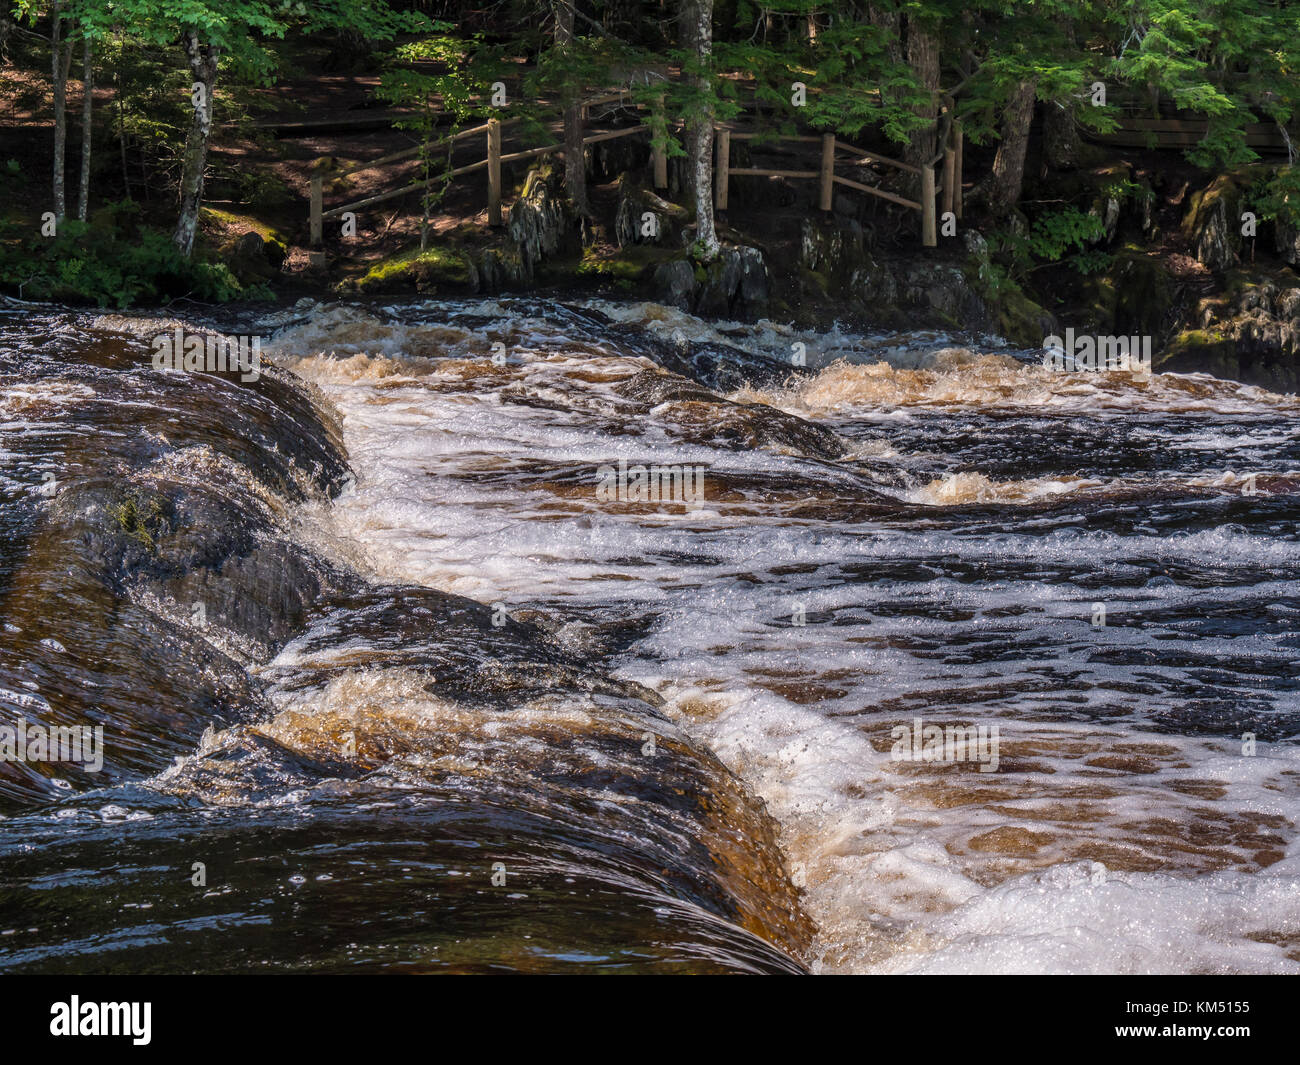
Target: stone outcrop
x: 1248, y: 332
x: 1213, y: 222
x: 736, y: 283
x: 542, y: 224
x: 634, y: 204
x: 836, y: 263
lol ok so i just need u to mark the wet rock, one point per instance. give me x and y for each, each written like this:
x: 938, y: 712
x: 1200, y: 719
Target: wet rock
x: 499, y: 721
x: 943, y: 290
x: 734, y: 284
x: 713, y: 365
x: 703, y: 416
x: 163, y: 562
x: 674, y: 283
x: 837, y: 265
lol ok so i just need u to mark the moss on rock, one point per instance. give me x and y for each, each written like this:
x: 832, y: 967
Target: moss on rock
x: 1200, y: 351
x: 1212, y: 224
x: 1143, y: 292
x: 627, y: 267
x: 1021, y: 320
x: 423, y: 271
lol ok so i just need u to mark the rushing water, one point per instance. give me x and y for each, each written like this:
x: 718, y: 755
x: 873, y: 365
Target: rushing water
x: 671, y: 726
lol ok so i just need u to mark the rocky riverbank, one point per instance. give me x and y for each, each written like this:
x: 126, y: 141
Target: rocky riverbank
x: 1165, y: 255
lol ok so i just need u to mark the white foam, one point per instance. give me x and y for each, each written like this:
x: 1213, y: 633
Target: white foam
x: 907, y: 868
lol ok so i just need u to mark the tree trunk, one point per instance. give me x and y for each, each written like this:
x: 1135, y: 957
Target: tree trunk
x: 923, y: 58
x: 620, y: 17
x: 1062, y: 144
x: 203, y: 67
x: 60, y: 62
x: 87, y: 105
x: 887, y: 21
x: 1008, y: 171
x: 575, y: 163
x: 697, y: 38
x: 121, y: 129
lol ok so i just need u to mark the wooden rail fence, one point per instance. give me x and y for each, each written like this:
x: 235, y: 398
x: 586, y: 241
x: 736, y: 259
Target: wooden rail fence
x: 929, y: 205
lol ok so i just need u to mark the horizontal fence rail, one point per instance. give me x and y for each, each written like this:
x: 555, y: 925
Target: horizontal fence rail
x: 949, y: 188
x: 936, y: 196
x: 492, y: 163
x: 928, y: 205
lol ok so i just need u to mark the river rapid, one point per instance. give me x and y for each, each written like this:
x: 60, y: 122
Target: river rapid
x: 462, y: 695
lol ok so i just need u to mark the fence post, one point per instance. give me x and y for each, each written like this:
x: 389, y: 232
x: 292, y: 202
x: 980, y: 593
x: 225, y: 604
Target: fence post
x: 316, y: 206
x: 494, y: 171
x: 660, y: 157
x: 723, y: 167
x: 828, y: 167
x: 929, y: 234
x: 957, y: 174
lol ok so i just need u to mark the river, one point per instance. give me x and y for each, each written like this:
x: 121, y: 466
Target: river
x: 465, y: 696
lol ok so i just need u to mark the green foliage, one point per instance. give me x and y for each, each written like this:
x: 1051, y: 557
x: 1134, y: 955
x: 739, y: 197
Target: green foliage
x: 1055, y: 232
x: 110, y: 262
x: 1278, y: 199
x: 456, y: 88
x: 993, y: 281
x: 1231, y: 60
x: 1053, y: 238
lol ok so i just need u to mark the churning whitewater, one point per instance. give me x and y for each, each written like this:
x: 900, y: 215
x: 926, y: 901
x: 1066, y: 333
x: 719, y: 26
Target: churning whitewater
x: 1099, y: 568
x: 541, y: 637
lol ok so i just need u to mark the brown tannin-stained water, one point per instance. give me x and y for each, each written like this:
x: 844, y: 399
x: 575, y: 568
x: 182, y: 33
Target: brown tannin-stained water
x: 539, y: 637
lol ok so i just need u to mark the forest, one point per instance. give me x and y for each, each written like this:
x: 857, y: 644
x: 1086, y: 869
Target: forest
x: 139, y: 142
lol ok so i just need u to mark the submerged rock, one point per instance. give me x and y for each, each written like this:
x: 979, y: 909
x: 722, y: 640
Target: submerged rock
x: 279, y: 717
x: 159, y: 561
x: 705, y: 416
x: 419, y: 691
